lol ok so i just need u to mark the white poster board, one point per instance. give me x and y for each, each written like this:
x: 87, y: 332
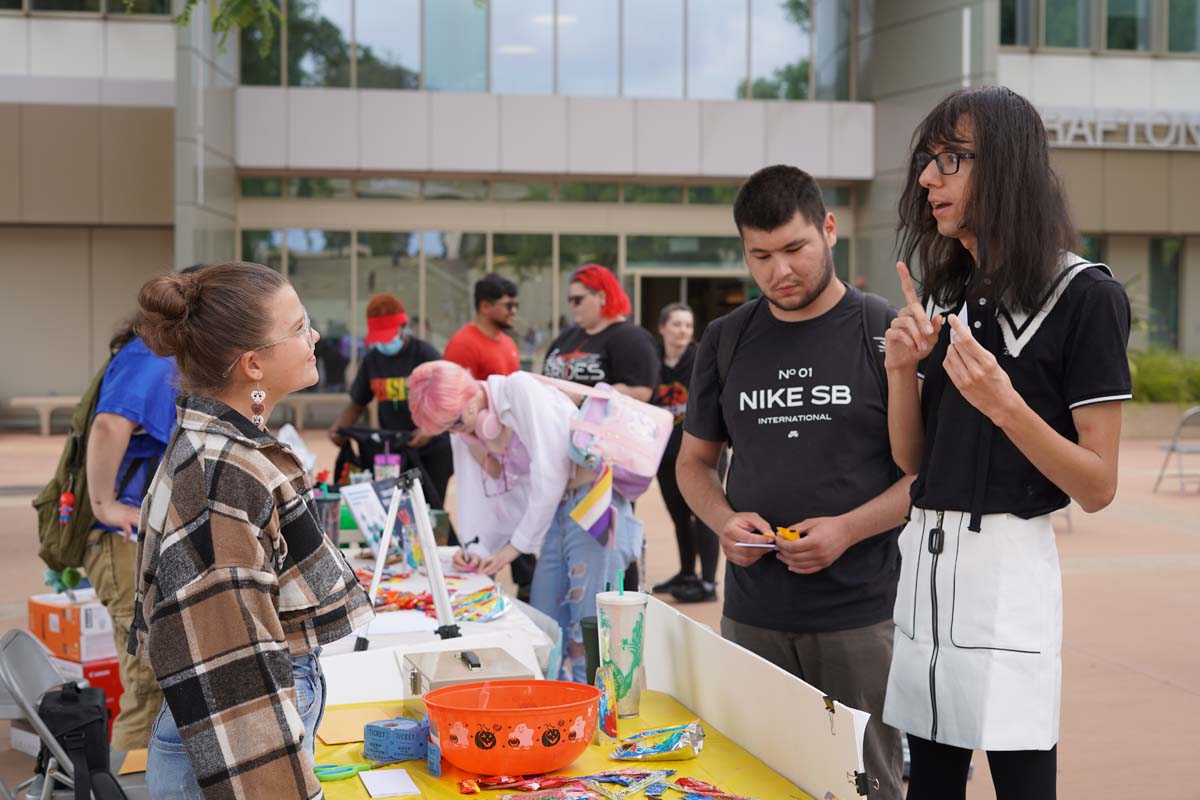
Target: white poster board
x: 774, y: 715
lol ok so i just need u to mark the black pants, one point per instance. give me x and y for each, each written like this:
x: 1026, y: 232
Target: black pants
x: 939, y: 772
x: 692, y: 535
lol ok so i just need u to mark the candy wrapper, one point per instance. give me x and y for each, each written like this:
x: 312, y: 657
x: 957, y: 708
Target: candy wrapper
x: 477, y: 785
x: 575, y: 791
x: 606, y: 724
x: 695, y: 789
x: 676, y: 743
x: 630, y: 790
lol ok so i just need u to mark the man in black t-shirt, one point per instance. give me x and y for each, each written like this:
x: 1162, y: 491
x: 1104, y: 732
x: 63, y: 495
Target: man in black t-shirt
x: 801, y: 398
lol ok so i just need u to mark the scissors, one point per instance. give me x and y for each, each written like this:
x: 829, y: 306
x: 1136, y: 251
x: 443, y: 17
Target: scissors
x: 327, y: 773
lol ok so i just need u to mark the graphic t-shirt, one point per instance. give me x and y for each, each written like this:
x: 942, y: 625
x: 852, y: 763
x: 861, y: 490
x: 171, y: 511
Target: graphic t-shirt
x: 481, y: 354
x: 621, y: 353
x: 384, y: 379
x: 672, y: 394
x: 139, y: 386
x: 804, y: 410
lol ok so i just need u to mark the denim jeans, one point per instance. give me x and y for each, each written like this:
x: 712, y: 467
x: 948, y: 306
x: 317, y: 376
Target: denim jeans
x: 169, y: 774
x: 573, y: 568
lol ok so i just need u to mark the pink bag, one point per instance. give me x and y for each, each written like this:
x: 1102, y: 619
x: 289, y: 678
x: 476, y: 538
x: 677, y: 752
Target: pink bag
x: 613, y: 428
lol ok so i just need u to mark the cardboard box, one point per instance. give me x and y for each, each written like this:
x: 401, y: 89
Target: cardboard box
x: 74, y: 628
x: 104, y: 674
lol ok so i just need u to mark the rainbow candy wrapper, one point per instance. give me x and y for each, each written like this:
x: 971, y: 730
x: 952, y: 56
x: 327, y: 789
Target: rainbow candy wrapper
x: 676, y: 743
x: 606, y: 724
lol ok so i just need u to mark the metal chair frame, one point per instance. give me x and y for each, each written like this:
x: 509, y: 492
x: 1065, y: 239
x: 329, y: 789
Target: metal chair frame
x: 1179, y: 448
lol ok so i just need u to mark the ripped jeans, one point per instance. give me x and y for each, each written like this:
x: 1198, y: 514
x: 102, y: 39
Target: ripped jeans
x: 573, y: 568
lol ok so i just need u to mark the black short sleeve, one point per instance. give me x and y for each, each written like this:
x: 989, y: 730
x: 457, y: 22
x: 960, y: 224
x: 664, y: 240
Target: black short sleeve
x: 425, y: 352
x: 1096, y: 367
x: 360, y: 390
x: 632, y: 357
x: 704, y: 419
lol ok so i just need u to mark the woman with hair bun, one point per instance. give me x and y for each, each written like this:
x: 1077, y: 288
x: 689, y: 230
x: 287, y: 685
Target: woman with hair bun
x: 238, y: 587
x: 516, y: 487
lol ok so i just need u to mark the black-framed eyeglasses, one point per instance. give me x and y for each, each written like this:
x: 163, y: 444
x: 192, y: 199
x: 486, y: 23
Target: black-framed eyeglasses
x: 511, y: 305
x: 576, y: 299
x: 947, y: 161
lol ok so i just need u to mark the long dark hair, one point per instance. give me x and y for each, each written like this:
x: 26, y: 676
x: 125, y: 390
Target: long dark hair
x: 1015, y: 204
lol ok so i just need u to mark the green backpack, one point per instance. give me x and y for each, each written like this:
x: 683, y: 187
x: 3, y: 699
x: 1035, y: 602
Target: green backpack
x: 63, y: 532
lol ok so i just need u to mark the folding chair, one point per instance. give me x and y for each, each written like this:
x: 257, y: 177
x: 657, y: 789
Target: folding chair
x: 1178, y: 447
x: 27, y: 673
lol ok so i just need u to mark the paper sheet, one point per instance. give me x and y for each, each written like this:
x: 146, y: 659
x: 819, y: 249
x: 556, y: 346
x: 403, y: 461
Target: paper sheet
x: 388, y: 783
x: 135, y: 761
x: 345, y: 725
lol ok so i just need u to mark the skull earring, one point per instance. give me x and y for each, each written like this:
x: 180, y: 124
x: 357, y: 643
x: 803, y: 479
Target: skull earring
x: 257, y: 396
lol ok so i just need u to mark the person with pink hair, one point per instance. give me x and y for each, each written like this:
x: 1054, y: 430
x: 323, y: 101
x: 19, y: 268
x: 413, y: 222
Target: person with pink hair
x: 516, y: 486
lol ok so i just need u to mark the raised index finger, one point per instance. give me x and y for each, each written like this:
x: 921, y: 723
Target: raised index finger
x: 906, y: 285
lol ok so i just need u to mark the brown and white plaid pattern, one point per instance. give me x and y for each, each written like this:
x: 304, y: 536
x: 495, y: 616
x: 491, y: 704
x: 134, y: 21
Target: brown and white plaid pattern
x: 235, y: 577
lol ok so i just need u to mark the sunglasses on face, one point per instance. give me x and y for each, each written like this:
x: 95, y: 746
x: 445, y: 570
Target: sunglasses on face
x: 511, y: 305
x: 576, y: 299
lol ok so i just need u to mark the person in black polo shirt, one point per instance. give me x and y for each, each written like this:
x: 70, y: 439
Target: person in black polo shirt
x: 794, y: 381
x: 1004, y: 401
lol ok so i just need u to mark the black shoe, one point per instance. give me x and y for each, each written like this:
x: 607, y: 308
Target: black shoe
x: 669, y: 585
x: 698, y: 592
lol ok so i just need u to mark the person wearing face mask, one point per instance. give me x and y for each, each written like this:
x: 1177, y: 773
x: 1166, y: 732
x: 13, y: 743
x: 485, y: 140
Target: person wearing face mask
x: 516, y: 488
x: 676, y: 325
x: 238, y: 587
x: 383, y: 377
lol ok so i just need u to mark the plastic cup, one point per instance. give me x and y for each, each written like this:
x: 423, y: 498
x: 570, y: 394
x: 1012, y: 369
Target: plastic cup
x: 591, y: 647
x: 329, y: 509
x: 622, y: 621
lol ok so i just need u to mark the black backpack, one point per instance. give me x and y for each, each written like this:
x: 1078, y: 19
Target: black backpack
x: 78, y: 719
x: 877, y: 318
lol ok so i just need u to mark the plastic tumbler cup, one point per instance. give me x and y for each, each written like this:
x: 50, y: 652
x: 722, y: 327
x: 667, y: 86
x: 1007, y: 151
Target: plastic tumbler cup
x: 591, y: 647
x: 622, y: 619
x: 329, y: 508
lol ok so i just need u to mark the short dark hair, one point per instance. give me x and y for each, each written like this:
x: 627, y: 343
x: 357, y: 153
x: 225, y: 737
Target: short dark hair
x: 492, y: 287
x: 773, y: 195
x: 1015, y: 207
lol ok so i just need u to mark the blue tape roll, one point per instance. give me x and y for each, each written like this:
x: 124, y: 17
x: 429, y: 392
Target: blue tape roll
x: 399, y: 739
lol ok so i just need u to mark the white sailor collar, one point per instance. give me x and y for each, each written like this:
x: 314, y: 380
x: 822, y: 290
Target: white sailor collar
x: 1019, y: 327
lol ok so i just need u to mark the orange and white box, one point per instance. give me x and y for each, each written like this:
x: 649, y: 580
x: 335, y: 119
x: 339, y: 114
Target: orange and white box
x: 75, y: 627
x: 104, y: 674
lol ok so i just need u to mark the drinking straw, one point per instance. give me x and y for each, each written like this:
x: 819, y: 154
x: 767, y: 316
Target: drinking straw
x: 620, y: 583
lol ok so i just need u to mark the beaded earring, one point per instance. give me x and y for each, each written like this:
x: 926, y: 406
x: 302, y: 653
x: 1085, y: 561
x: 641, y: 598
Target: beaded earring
x: 257, y: 396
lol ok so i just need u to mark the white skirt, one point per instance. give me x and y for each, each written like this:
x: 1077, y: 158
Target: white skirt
x: 977, y: 661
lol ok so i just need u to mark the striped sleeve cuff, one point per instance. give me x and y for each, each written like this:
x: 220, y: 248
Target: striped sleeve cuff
x: 1109, y: 398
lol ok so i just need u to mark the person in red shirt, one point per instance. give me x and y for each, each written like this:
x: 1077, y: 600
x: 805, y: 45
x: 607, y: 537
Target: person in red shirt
x: 483, y: 346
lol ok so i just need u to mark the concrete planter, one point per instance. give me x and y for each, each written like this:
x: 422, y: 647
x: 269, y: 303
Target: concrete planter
x: 1150, y: 420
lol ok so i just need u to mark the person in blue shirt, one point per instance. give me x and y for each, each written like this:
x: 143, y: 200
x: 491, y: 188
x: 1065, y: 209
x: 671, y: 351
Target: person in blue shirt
x: 135, y: 416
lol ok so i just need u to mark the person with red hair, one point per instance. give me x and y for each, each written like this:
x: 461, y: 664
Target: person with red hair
x: 603, y: 346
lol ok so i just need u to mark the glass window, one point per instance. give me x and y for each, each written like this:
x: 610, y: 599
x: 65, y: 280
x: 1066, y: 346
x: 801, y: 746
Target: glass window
x: 139, y: 6
x: 319, y: 269
x: 589, y: 192
x: 1164, y: 292
x: 716, y: 50
x: 1128, y: 24
x: 832, y: 26
x: 318, y: 45
x: 453, y: 262
x: 388, y: 42
x: 1091, y: 248
x: 388, y: 188
x: 522, y: 46
x: 588, y: 47
x: 14, y: 5
x: 258, y: 68
x: 1016, y: 22
x: 694, y: 252
x: 575, y: 250
x: 780, y: 49
x: 653, y: 193
x: 262, y: 187
x: 456, y: 190
x: 654, y: 48
x: 1183, y: 26
x: 1068, y: 23
x: 387, y: 262
x: 455, y: 46
x: 263, y: 247
x: 720, y: 195
x: 323, y: 188
x: 835, y: 196
x: 528, y: 261
x: 65, y: 5
x: 512, y: 192
x: 841, y: 259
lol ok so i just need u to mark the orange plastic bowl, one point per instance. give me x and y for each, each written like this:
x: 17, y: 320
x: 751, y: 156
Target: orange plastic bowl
x: 521, y: 727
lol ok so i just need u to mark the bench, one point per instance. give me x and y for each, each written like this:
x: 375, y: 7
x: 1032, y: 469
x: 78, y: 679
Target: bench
x: 296, y: 405
x: 45, y: 406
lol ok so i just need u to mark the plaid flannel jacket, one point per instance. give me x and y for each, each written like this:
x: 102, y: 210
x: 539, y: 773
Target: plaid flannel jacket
x: 235, y: 576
